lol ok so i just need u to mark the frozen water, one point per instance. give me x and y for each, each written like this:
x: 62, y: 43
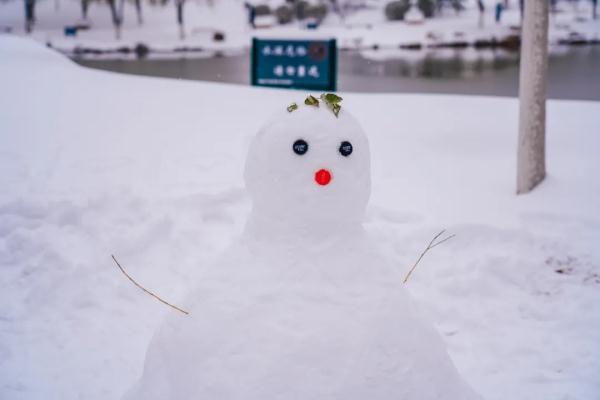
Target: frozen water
x: 302, y: 306
x: 282, y: 183
x: 95, y: 163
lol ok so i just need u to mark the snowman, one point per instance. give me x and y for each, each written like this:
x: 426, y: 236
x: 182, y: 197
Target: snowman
x: 302, y: 306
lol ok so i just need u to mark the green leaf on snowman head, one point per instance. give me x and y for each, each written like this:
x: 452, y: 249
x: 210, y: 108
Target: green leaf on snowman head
x: 292, y: 107
x: 331, y: 98
x: 336, y: 109
x: 333, y: 101
x: 311, y: 101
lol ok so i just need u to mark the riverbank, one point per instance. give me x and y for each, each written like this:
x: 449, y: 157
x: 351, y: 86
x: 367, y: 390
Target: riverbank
x: 222, y: 29
x: 572, y: 71
x: 95, y: 163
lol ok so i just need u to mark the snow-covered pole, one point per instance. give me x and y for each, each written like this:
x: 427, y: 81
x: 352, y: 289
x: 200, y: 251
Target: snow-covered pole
x: 531, y: 153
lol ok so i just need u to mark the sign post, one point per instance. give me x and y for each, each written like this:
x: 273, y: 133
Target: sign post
x: 295, y: 64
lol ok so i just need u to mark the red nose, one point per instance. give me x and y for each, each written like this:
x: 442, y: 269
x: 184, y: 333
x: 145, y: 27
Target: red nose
x: 323, y: 177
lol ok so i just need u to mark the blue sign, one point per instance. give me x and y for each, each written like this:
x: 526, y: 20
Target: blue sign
x: 297, y: 64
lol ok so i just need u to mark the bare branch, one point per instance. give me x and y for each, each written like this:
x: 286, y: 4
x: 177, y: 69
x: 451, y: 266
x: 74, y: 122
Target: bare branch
x: 442, y: 241
x: 146, y: 290
x: 430, y: 246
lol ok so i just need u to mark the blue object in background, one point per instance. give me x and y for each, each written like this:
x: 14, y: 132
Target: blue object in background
x: 70, y: 31
x: 499, y: 9
x: 295, y: 64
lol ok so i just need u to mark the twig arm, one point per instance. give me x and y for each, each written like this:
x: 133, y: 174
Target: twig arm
x: 146, y: 290
x: 430, y: 246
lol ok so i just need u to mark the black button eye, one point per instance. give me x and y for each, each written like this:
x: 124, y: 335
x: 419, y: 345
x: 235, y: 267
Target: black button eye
x: 300, y: 147
x: 345, y: 148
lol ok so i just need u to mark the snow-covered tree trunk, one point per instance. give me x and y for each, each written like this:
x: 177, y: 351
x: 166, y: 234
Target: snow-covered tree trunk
x: 481, y: 8
x: 85, y: 4
x: 138, y: 11
x: 179, y: 4
x: 521, y: 6
x: 116, y: 17
x: 29, y: 15
x: 531, y: 153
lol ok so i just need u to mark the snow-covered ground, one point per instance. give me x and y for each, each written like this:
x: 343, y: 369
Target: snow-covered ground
x: 362, y: 29
x: 94, y: 163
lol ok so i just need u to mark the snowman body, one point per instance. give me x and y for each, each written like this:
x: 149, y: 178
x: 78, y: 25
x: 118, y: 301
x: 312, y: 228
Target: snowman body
x: 302, y: 306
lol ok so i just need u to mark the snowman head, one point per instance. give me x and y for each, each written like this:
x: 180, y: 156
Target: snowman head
x: 309, y: 167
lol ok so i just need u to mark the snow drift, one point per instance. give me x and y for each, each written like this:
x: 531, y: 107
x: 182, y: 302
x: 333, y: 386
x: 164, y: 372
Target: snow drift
x: 95, y: 163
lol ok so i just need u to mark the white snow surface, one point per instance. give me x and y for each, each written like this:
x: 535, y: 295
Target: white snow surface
x: 283, y: 184
x: 94, y: 163
x: 302, y: 306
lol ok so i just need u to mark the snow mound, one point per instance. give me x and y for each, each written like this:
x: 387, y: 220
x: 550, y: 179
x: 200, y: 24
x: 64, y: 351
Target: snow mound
x: 302, y: 306
x: 95, y: 163
x: 26, y: 53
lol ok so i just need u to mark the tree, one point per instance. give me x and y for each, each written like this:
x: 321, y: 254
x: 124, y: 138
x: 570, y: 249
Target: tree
x: 138, y: 11
x: 531, y: 153
x: 29, y: 15
x: 481, y: 8
x: 521, y: 6
x: 85, y: 5
x: 179, y: 4
x: 117, y: 15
